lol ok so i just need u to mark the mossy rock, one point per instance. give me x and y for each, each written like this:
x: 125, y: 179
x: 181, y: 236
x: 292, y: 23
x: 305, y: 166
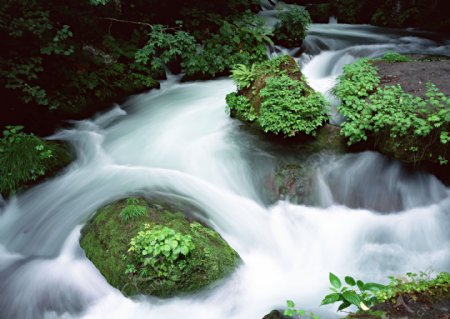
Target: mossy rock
x: 275, y: 97
x: 106, y: 242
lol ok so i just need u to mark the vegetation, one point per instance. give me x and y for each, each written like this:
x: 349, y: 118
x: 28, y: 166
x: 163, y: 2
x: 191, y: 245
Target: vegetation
x: 355, y: 292
x: 292, y: 311
x: 24, y: 158
x: 159, y: 253
x: 392, y: 56
x: 292, y: 26
x: 132, y: 210
x: 407, y: 127
x: 388, y: 13
x: 275, y: 96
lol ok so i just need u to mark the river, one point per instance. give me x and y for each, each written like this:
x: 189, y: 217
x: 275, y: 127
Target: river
x: 372, y: 218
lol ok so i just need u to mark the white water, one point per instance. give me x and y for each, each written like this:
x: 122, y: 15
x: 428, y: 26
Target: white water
x: 179, y: 141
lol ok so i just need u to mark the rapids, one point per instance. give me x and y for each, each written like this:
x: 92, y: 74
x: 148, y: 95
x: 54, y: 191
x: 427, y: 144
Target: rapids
x: 373, y: 218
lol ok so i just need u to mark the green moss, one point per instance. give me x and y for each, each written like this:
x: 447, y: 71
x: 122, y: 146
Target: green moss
x: 106, y: 241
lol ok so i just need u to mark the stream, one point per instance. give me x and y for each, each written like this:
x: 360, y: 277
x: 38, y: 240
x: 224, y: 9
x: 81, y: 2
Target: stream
x: 373, y: 218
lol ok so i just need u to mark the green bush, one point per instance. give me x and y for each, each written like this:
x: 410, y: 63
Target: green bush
x: 408, y: 127
x: 290, y: 107
x: 392, y: 56
x: 160, y: 251
x: 240, y: 106
x: 24, y: 158
x: 292, y: 26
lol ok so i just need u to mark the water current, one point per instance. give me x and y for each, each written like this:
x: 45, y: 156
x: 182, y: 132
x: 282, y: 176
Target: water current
x: 372, y: 218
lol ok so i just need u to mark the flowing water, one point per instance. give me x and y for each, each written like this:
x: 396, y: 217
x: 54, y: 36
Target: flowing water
x: 372, y: 219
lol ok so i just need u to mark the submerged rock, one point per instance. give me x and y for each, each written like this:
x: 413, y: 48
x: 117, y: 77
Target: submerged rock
x: 151, y: 248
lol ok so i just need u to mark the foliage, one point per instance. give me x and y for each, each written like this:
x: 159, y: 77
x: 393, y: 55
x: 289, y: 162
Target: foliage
x: 278, y: 99
x: 414, y: 284
x: 238, y: 41
x: 391, y: 56
x: 292, y: 26
x: 242, y: 75
x: 293, y: 312
x: 106, y: 240
x: 160, y: 250
x: 132, y: 210
x: 240, y: 106
x: 407, y: 126
x: 25, y: 157
x: 163, y: 47
x: 354, y: 292
x: 290, y: 107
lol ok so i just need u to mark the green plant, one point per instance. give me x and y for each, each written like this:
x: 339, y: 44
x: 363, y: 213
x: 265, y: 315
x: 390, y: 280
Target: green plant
x: 160, y: 249
x: 408, y: 127
x: 391, y: 56
x: 292, y: 26
x: 240, y: 105
x: 293, y: 312
x: 290, y: 107
x: 414, y: 284
x: 242, y: 75
x: 355, y: 292
x: 25, y: 157
x: 133, y: 209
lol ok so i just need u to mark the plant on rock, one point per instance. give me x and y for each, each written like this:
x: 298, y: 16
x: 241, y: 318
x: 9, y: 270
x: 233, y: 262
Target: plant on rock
x: 161, y: 251
x: 133, y: 209
x: 25, y: 157
x: 405, y: 126
x: 276, y: 97
x: 290, y: 107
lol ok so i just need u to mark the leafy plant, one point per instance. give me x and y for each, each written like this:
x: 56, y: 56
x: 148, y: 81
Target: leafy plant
x: 159, y: 249
x: 25, y: 157
x: 414, y: 284
x: 292, y: 26
x: 242, y: 75
x: 290, y: 107
x: 240, y: 105
x: 293, y: 312
x: 133, y: 209
x: 354, y: 292
x: 405, y: 126
x: 391, y: 56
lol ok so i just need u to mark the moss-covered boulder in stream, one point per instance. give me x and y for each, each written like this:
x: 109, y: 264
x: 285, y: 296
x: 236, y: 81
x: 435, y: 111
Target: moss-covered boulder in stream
x: 151, y: 248
x: 275, y: 96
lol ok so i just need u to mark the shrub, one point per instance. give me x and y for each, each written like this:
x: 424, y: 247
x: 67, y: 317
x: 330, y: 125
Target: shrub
x: 240, y: 106
x: 290, y: 107
x: 24, y: 158
x: 161, y: 251
x: 292, y: 26
x: 405, y: 126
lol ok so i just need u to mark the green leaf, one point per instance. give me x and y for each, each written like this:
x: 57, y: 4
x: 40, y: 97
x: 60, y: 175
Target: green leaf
x: 352, y: 297
x: 350, y: 281
x: 334, y: 280
x: 331, y: 298
x: 344, y: 305
x: 290, y: 303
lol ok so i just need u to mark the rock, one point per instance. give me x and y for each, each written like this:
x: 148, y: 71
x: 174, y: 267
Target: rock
x: 106, y: 242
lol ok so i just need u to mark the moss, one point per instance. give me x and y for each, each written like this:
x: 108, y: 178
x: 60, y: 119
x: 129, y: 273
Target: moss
x: 106, y: 237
